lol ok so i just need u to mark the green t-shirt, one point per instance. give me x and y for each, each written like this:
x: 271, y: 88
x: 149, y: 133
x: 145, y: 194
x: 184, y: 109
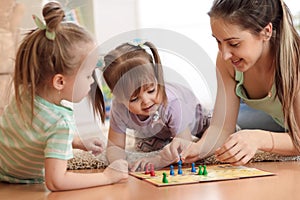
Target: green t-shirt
x: 24, y: 146
x: 268, y: 104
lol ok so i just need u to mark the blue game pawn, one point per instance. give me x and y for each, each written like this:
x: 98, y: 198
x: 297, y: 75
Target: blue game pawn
x: 172, y: 170
x: 179, y: 162
x: 179, y: 169
x: 193, y: 168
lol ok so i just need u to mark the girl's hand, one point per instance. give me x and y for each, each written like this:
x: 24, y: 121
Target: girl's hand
x: 168, y: 155
x: 93, y: 144
x: 191, y: 153
x: 141, y: 164
x: 116, y: 171
x: 175, y: 149
x: 239, y: 148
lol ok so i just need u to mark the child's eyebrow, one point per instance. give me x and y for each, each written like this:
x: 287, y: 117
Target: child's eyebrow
x: 148, y: 85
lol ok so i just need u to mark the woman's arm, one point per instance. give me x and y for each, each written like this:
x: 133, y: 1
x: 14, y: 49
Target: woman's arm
x: 224, y: 116
x: 242, y: 146
x: 115, y: 145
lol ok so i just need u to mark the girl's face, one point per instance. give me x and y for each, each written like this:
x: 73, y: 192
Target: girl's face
x: 242, y: 48
x: 81, y: 81
x: 146, y: 102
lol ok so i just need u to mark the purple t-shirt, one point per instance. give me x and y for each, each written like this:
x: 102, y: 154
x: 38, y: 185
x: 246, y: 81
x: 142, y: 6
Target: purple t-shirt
x: 183, y: 110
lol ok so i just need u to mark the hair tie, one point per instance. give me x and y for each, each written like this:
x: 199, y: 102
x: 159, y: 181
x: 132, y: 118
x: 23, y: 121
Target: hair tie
x: 42, y: 26
x: 137, y: 42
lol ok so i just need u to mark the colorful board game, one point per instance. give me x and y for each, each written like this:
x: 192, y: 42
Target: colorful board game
x: 199, y: 174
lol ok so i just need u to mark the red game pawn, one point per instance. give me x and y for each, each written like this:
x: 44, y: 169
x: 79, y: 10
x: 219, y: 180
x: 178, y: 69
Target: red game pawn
x: 152, y: 172
x: 147, y: 169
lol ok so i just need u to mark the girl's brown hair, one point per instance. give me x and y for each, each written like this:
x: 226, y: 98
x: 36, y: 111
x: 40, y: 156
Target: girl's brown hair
x: 129, y: 67
x: 40, y: 58
x: 255, y: 15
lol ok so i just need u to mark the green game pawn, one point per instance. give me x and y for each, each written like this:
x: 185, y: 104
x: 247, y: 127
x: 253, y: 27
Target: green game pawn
x: 204, y: 170
x: 165, y: 180
x: 200, y: 170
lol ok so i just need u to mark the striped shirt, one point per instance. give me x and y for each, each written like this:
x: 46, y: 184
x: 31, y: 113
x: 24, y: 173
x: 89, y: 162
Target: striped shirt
x: 25, y: 145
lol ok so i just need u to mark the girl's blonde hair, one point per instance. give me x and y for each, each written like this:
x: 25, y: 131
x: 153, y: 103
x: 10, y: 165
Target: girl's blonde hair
x: 255, y: 15
x: 40, y: 58
x: 129, y: 67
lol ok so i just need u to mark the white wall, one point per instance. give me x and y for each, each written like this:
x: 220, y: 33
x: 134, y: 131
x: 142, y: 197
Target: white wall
x: 112, y: 17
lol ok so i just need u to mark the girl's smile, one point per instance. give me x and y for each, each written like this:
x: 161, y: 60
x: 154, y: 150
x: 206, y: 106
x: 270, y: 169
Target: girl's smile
x: 150, y: 109
x: 146, y: 101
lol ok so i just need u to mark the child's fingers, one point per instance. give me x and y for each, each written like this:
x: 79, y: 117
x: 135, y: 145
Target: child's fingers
x: 99, y: 143
x: 136, y: 165
x: 189, y: 154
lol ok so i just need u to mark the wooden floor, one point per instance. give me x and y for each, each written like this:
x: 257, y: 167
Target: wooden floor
x: 283, y: 185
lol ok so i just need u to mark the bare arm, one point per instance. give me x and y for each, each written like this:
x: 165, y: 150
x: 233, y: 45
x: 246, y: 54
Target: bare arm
x: 116, y: 145
x: 239, y: 148
x: 168, y: 155
x: 77, y: 143
x: 282, y: 143
x: 57, y: 178
x: 224, y: 116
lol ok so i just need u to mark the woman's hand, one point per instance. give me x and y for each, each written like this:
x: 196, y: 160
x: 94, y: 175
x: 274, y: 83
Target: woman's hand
x: 239, y: 148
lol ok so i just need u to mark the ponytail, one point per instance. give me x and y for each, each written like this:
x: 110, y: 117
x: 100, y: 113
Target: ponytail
x: 97, y: 100
x: 158, y: 71
x: 287, y: 71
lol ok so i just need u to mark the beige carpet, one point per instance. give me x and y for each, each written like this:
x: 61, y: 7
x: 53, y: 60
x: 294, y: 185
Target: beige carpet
x: 85, y: 160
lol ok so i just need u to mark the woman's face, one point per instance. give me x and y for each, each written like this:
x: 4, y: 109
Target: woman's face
x: 241, y: 47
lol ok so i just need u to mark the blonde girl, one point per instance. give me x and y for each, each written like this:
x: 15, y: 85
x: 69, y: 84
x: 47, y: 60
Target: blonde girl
x: 54, y: 62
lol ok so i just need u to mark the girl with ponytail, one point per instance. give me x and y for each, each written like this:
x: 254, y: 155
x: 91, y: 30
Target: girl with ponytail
x: 55, y: 62
x: 159, y: 113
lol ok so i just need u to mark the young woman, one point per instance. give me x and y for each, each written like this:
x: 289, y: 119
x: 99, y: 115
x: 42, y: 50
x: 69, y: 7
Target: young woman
x: 258, y: 62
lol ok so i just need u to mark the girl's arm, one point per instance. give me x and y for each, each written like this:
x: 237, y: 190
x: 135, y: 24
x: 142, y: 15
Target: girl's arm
x: 93, y: 144
x: 76, y: 143
x: 115, y: 145
x: 57, y: 178
x: 168, y: 155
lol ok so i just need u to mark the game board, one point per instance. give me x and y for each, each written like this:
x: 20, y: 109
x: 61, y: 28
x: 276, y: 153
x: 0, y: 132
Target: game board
x: 214, y: 173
